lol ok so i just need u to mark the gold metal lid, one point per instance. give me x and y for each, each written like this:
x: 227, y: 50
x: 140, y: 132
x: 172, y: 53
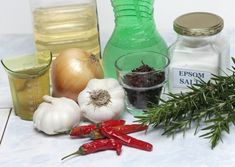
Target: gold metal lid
x: 198, y: 24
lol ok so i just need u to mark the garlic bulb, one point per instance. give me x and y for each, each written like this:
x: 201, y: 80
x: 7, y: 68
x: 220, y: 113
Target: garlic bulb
x: 101, y: 100
x: 56, y: 115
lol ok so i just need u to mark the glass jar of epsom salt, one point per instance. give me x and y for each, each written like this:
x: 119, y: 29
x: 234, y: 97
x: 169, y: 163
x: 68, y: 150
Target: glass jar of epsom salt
x: 199, y: 51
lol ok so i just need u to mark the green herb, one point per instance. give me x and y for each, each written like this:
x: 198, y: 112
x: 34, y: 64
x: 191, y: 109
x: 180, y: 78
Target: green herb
x: 209, y: 105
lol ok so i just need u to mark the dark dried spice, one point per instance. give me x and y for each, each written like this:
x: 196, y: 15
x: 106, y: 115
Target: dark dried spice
x: 143, y: 87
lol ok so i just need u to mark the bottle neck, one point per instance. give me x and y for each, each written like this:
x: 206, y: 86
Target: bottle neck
x: 133, y: 12
x: 134, y: 24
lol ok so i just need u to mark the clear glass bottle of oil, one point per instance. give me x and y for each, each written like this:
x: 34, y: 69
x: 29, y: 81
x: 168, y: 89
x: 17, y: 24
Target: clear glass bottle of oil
x: 62, y: 24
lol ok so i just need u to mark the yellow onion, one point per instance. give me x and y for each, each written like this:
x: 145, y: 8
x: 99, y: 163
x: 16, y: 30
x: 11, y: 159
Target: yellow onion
x: 72, y: 70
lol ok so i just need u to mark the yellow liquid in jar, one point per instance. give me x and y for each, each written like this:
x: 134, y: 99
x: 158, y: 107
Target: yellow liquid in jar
x: 73, y: 26
x: 27, y: 93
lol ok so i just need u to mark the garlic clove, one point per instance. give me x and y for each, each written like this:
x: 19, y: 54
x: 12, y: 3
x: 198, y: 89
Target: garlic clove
x: 65, y: 122
x: 118, y: 107
x: 108, y: 83
x: 45, y: 123
x: 84, y: 97
x: 97, y: 115
x: 117, y: 93
x: 112, y: 84
x: 93, y: 84
x: 39, y: 113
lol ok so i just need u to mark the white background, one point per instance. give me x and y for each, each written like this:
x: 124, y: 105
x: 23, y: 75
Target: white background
x: 15, y: 15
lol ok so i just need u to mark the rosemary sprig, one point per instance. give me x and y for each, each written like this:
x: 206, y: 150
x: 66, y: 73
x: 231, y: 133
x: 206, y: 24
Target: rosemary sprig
x: 209, y: 105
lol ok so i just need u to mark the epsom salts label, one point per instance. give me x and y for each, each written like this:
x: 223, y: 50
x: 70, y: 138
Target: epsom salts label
x: 186, y: 77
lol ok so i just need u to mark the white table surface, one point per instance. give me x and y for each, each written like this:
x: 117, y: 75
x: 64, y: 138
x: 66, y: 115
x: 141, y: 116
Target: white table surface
x: 23, y: 146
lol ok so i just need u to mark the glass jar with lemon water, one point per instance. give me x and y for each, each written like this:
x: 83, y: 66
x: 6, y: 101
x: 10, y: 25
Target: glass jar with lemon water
x: 29, y: 81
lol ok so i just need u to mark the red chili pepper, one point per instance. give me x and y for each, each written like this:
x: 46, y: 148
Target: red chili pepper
x: 112, y: 123
x: 125, y: 139
x: 125, y: 129
x: 83, y: 131
x: 98, y: 145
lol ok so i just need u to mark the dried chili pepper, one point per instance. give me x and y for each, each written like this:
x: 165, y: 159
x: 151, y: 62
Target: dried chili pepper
x: 125, y: 129
x: 112, y: 123
x: 125, y: 139
x: 83, y: 131
x: 98, y: 145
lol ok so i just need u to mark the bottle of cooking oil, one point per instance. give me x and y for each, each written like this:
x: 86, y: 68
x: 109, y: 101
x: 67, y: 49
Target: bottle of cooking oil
x: 62, y: 24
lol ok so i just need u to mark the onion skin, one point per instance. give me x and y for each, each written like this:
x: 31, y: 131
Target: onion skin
x: 71, y: 71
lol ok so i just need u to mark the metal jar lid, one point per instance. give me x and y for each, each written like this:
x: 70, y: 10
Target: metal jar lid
x: 198, y: 24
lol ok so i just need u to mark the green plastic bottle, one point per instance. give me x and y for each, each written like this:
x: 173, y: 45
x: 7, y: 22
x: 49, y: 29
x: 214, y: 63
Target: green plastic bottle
x: 134, y: 31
